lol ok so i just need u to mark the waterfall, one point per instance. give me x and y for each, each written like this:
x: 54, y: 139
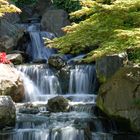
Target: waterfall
x: 30, y: 89
x: 82, y: 79
x: 83, y: 121
x: 39, y: 81
x: 37, y: 50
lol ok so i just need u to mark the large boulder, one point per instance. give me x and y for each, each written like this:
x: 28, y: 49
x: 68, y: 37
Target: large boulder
x: 15, y: 58
x: 58, y: 104
x: 120, y: 96
x: 64, y: 77
x: 33, y: 12
x: 7, y: 112
x: 54, y: 20
x: 10, y: 32
x: 42, y: 5
x: 57, y: 61
x: 6, y: 43
x: 108, y: 65
x: 10, y: 83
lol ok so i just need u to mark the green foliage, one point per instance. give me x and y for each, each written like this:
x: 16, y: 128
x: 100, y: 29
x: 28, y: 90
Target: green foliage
x: 136, y: 102
x: 5, y: 7
x: 88, y: 9
x: 24, y: 2
x: 105, y: 1
x: 134, y: 55
x: 109, y: 29
x: 68, y: 5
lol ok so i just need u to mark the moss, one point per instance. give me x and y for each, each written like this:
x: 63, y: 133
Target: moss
x: 108, y: 29
x: 134, y: 54
x: 136, y: 102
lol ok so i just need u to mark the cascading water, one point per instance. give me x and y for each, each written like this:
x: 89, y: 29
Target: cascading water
x: 84, y: 121
x: 82, y: 79
x: 81, y: 123
x: 36, y: 49
x: 42, y: 79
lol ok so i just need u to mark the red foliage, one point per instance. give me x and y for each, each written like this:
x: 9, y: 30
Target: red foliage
x: 3, y: 58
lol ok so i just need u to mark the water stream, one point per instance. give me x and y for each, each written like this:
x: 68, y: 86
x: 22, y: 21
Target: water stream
x: 83, y: 122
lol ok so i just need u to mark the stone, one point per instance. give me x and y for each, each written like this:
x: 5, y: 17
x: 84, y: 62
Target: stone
x: 10, y: 83
x: 6, y: 43
x: 63, y: 76
x: 108, y: 65
x: 7, y: 112
x: 58, y: 104
x: 77, y: 59
x: 10, y: 33
x: 29, y: 108
x: 39, y: 61
x: 42, y: 5
x: 54, y: 20
x: 15, y: 58
x: 56, y: 61
x: 120, y: 96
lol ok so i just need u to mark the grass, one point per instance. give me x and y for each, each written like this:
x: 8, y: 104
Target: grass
x: 104, y: 29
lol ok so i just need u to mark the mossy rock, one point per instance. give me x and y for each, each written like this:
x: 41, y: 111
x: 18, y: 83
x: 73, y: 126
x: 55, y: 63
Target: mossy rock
x: 58, y: 104
x: 118, y: 95
x: 108, y: 65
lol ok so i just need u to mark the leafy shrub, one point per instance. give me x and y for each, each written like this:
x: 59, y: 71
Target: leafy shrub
x: 68, y: 5
x: 5, y: 7
x: 134, y: 54
x: 109, y: 29
x: 24, y: 2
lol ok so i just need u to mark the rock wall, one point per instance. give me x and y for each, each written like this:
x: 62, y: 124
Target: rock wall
x: 120, y: 96
x: 9, y: 30
x: 54, y: 20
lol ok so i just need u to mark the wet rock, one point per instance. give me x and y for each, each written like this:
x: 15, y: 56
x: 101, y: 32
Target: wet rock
x: 108, y: 65
x: 58, y: 104
x: 77, y: 59
x: 29, y: 110
x: 56, y: 61
x: 40, y: 61
x: 15, y: 58
x: 54, y: 20
x: 63, y: 76
x: 42, y: 5
x: 7, y: 112
x: 10, y: 83
x: 120, y: 96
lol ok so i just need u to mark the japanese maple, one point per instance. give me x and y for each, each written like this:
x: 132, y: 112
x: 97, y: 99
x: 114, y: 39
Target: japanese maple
x: 3, y: 58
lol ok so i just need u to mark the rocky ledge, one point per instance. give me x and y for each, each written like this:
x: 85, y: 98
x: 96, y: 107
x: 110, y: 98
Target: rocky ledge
x: 120, y: 96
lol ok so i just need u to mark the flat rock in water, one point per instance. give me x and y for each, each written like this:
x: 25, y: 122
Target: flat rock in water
x: 58, y: 104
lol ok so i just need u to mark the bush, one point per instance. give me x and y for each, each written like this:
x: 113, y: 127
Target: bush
x: 67, y: 5
x: 109, y: 29
x: 5, y: 7
x: 24, y: 2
